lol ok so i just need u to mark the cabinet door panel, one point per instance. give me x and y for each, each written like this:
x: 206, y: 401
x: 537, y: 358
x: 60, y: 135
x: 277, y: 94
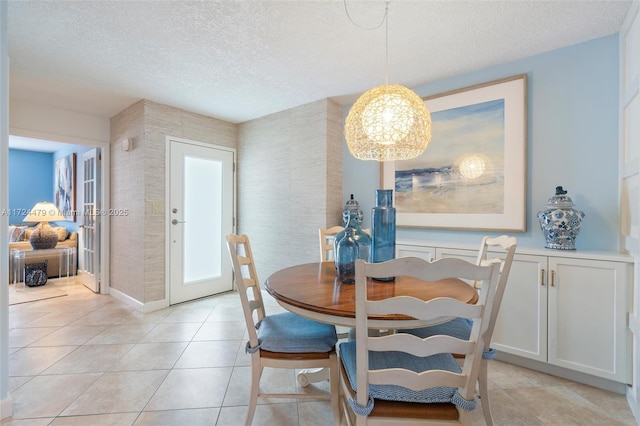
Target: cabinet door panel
x: 587, y: 321
x: 468, y: 255
x: 426, y: 253
x: 521, y: 326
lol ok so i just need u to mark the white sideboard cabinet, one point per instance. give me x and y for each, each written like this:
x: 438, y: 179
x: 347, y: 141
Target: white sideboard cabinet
x: 560, y: 308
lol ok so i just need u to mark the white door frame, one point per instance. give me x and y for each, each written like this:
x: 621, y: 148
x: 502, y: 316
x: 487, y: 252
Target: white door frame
x: 105, y: 189
x: 167, y: 189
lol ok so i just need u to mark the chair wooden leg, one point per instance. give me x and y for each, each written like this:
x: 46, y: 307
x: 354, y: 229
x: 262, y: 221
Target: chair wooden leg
x: 256, y: 373
x: 484, y: 392
x: 335, y: 388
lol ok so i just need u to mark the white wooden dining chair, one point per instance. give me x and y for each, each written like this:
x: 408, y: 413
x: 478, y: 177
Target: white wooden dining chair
x: 283, y: 340
x: 504, y: 247
x: 400, y: 378
x: 326, y: 242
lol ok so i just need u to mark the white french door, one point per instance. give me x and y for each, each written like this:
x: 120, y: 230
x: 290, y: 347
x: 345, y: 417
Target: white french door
x: 89, y: 247
x: 201, y: 208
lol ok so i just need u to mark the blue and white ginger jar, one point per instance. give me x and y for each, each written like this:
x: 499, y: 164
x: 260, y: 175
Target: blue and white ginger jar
x: 560, y: 222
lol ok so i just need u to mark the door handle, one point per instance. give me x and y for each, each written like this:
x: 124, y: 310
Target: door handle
x: 176, y: 221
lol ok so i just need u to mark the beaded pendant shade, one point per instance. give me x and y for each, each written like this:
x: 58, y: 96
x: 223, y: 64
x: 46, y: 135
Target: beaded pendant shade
x: 388, y: 123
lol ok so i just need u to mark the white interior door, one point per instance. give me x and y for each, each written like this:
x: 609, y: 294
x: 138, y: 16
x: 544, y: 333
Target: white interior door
x: 89, y: 247
x: 201, y: 207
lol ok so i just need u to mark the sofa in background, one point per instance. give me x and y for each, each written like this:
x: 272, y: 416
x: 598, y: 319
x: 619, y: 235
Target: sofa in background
x: 19, y: 239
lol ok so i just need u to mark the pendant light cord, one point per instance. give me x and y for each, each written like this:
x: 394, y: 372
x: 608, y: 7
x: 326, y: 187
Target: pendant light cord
x: 384, y: 21
x: 386, y: 42
x: 346, y: 9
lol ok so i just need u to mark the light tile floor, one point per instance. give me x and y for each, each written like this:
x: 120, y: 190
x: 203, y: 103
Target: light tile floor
x: 88, y: 359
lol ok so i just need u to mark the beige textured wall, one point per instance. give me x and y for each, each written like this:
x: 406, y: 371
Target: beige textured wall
x: 334, y: 177
x: 138, y: 183
x: 127, y: 192
x: 289, y: 183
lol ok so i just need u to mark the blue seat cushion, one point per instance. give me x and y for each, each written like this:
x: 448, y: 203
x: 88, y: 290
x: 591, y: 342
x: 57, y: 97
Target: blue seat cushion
x: 458, y: 327
x: 394, y: 359
x: 291, y: 333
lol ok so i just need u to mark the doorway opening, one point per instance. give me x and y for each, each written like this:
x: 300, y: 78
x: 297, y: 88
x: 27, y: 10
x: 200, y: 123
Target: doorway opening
x: 88, y: 186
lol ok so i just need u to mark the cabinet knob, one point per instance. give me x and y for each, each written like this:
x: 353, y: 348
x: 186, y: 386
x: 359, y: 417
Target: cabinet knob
x: 543, y: 273
x: 553, y: 278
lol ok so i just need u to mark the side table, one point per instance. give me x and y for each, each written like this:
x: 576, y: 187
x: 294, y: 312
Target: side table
x: 66, y: 258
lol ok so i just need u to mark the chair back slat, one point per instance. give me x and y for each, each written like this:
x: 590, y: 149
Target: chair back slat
x: 440, y: 269
x: 326, y: 242
x: 439, y: 344
x: 419, y: 309
x: 247, y: 283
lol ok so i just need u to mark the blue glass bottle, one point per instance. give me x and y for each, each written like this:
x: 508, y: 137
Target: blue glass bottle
x: 383, y: 229
x: 352, y: 245
x: 346, y: 254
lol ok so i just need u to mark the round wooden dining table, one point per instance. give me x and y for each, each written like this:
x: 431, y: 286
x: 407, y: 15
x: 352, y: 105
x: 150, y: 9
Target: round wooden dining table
x: 313, y: 290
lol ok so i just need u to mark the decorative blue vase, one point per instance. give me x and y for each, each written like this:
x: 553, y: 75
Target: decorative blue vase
x: 346, y: 256
x: 560, y: 222
x: 383, y: 229
x: 349, y: 245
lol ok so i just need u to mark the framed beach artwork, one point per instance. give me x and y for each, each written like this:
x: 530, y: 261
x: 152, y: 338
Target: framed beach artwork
x: 65, y: 186
x: 473, y: 173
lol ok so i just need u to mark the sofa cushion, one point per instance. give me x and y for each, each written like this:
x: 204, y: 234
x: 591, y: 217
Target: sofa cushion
x: 61, y: 231
x: 28, y: 232
x: 16, y: 233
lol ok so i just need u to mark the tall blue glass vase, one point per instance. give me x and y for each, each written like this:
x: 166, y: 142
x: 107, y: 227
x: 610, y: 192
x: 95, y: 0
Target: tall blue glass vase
x: 383, y: 229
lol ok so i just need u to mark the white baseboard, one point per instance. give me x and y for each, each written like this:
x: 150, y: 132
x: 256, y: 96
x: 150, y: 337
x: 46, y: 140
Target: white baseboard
x: 576, y: 376
x: 156, y: 305
x: 138, y: 305
x: 6, y: 408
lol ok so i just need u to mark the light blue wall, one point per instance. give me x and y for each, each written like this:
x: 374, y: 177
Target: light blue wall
x: 31, y: 180
x: 572, y: 141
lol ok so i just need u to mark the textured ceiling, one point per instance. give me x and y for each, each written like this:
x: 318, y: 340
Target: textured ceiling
x: 239, y: 60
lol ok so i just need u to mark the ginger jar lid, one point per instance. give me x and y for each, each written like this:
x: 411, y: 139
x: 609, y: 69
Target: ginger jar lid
x: 352, y: 208
x: 560, y: 200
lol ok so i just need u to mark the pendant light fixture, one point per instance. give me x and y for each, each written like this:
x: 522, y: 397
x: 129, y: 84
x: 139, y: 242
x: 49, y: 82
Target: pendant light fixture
x: 388, y: 122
